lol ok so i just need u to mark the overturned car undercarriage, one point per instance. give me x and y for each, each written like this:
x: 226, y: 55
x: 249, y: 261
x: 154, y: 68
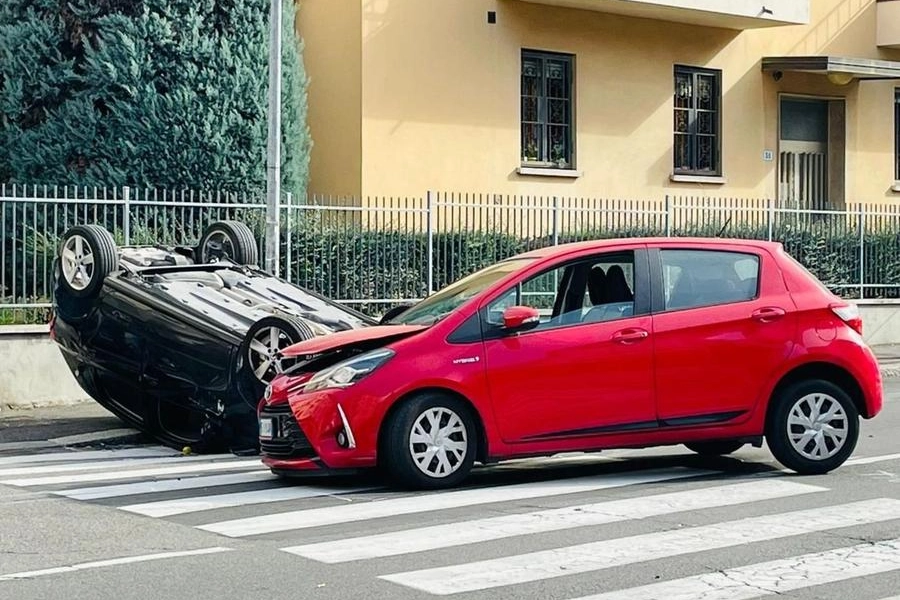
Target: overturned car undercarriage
x: 180, y: 342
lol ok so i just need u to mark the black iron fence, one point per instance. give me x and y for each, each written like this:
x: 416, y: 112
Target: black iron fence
x: 375, y: 252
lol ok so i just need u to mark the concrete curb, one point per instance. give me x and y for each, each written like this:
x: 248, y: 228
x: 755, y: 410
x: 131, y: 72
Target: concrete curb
x: 890, y: 372
x: 7, y: 409
x: 121, y: 435
x: 24, y: 329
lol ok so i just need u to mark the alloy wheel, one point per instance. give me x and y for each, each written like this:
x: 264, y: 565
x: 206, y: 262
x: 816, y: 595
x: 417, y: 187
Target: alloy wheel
x: 77, y: 262
x: 264, y: 347
x: 220, y: 239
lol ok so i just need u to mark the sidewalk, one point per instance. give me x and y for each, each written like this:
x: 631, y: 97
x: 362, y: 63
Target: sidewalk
x: 84, y: 423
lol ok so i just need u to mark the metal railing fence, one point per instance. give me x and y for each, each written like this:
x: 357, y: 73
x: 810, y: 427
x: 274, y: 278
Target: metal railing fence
x: 375, y: 252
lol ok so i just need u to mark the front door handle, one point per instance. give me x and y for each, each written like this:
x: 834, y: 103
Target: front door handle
x: 630, y: 336
x: 768, y: 314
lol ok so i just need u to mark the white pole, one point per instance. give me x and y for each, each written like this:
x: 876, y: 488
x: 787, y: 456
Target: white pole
x: 273, y: 161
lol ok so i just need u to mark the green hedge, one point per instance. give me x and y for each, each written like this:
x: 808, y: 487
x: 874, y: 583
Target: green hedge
x: 391, y: 265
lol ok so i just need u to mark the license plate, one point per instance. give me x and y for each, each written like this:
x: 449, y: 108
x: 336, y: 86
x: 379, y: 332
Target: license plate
x: 266, y: 428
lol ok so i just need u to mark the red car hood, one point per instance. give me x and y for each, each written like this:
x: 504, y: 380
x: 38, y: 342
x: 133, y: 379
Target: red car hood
x: 351, y: 337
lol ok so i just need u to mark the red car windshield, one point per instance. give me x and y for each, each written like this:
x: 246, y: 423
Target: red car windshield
x: 439, y: 305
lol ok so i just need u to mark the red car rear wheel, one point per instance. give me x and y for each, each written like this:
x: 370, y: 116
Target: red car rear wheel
x: 813, y: 427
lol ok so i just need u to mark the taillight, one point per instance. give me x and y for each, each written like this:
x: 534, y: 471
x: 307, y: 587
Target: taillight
x: 849, y: 314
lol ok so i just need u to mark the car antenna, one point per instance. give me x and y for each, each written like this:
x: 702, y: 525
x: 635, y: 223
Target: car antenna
x: 725, y: 226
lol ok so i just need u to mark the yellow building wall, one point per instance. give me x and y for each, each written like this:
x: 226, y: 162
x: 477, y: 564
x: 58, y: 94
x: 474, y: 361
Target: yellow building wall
x: 332, y: 56
x: 439, y: 93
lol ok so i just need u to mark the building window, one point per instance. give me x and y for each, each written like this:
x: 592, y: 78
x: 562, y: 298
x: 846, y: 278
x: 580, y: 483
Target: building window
x: 698, y: 101
x: 547, y: 109
x: 897, y: 134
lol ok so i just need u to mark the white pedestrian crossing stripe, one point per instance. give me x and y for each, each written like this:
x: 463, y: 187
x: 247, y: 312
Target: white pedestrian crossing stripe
x: 773, y: 577
x: 88, y: 455
x: 168, y: 508
x: 595, y: 556
x: 107, y: 465
x: 126, y: 480
x: 434, y: 502
x: 166, y: 485
x: 868, y: 460
x: 586, y: 515
x: 133, y: 473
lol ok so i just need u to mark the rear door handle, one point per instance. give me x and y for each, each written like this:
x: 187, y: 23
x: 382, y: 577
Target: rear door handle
x: 767, y: 314
x: 630, y: 336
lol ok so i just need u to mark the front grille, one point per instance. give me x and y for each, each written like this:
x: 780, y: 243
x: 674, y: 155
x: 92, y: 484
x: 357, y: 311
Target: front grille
x: 288, y: 440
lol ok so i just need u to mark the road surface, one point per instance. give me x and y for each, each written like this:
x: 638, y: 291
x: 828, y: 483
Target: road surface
x: 138, y: 521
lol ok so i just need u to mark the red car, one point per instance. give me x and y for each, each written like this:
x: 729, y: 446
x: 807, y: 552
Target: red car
x: 710, y: 343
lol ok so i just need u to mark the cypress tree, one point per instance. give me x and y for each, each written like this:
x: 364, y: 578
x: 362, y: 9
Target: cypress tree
x: 147, y: 93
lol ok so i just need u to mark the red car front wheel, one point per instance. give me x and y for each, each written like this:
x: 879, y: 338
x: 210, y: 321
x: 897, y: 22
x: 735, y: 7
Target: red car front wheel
x: 430, y: 442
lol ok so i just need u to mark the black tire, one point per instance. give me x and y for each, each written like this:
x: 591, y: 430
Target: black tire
x: 100, y: 245
x: 397, y: 460
x: 228, y: 239
x: 290, y: 331
x: 716, y: 447
x: 67, y: 307
x: 778, y: 429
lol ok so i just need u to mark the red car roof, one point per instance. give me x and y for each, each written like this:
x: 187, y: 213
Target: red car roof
x: 573, y: 247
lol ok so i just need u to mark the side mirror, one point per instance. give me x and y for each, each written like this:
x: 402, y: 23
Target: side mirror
x: 516, y: 318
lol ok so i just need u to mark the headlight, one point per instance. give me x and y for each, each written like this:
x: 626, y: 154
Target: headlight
x: 346, y: 373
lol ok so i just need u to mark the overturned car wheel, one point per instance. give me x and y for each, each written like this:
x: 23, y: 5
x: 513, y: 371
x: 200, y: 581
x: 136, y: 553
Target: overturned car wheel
x: 87, y: 255
x: 261, y: 347
x: 228, y: 239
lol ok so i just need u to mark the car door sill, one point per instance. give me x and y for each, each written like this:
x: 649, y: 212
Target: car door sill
x: 638, y: 426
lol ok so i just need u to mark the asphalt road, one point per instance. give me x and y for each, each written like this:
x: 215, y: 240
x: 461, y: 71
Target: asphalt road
x: 134, y: 520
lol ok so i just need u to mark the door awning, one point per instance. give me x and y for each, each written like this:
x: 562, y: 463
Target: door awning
x: 838, y: 69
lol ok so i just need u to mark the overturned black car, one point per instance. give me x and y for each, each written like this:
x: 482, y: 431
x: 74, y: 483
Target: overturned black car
x: 180, y: 342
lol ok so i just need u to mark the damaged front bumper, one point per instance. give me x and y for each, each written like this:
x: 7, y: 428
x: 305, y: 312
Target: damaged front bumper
x: 313, y: 432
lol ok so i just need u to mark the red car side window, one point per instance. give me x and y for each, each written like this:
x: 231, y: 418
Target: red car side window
x: 694, y: 278
x: 599, y: 288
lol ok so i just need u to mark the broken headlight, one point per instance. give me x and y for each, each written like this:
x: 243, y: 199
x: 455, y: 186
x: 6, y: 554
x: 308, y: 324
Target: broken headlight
x: 346, y: 373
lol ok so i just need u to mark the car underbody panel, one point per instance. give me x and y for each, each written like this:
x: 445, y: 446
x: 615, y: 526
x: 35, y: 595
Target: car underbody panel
x: 180, y: 350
